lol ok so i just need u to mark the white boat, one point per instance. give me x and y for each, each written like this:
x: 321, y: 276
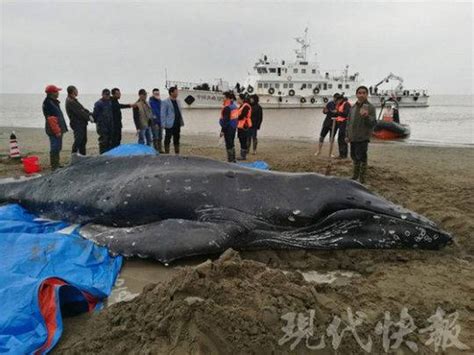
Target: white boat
x: 297, y: 84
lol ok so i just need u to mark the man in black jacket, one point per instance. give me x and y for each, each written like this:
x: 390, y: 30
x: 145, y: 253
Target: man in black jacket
x: 117, y: 117
x: 257, y: 118
x: 79, y: 117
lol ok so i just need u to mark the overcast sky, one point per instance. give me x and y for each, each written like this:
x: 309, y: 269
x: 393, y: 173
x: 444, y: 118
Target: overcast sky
x: 130, y: 43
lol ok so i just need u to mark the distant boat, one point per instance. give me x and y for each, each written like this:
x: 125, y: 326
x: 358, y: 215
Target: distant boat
x: 389, y: 128
x: 296, y: 84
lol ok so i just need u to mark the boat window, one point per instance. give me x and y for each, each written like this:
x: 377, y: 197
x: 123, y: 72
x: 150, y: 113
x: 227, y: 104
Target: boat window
x: 285, y: 86
x: 290, y: 85
x: 310, y: 86
x: 339, y: 86
x: 303, y: 71
x: 277, y: 85
x: 262, y: 70
x: 273, y: 70
x: 295, y: 70
x: 265, y: 85
x: 260, y: 85
x: 347, y: 86
x: 325, y: 86
x: 313, y: 71
x: 329, y: 86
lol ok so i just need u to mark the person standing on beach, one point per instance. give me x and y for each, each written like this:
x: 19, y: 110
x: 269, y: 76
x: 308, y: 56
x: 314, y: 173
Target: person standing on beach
x: 244, y: 124
x: 79, y: 117
x: 343, y: 109
x: 331, y: 113
x: 55, y: 124
x: 362, y: 119
x: 157, y: 129
x: 117, y: 107
x: 257, y: 118
x: 172, y: 119
x: 104, y: 121
x: 228, y: 123
x: 143, y: 117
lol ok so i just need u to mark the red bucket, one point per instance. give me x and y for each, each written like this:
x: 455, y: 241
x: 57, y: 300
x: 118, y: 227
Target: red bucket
x: 31, y: 164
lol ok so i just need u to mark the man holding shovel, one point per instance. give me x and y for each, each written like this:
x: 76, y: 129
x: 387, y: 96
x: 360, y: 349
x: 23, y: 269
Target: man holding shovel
x: 362, y: 119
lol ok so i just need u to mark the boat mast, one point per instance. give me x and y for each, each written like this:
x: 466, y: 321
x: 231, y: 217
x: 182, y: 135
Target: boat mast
x: 303, y: 41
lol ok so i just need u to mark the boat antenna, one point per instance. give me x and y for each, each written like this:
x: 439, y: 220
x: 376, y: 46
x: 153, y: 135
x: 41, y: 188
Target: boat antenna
x: 166, y: 78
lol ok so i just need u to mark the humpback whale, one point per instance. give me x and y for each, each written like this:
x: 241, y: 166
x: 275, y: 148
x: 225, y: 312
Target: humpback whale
x: 170, y: 207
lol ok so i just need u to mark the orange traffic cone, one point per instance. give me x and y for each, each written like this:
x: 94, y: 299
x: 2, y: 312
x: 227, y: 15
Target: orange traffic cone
x: 14, y: 150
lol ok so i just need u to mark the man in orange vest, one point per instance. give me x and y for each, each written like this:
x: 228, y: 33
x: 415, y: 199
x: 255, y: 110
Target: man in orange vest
x: 243, y: 125
x: 343, y: 109
x: 228, y: 123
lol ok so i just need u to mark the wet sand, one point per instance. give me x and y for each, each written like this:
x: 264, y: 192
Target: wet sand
x: 433, y: 181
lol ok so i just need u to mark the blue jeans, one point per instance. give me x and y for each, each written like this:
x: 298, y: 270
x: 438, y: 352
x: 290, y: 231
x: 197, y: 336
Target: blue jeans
x: 144, y: 136
x: 55, y: 143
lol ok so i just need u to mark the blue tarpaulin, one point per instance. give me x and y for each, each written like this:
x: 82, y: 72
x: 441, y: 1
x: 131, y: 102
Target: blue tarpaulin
x: 258, y: 164
x: 43, y: 273
x: 131, y: 149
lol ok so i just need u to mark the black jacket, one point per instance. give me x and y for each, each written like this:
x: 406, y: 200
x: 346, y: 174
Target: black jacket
x: 257, y: 116
x: 78, y: 115
x: 117, y: 112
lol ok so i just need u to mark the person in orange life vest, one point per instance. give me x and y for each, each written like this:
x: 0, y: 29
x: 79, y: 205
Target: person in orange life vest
x: 243, y: 125
x: 343, y: 108
x: 228, y: 123
x: 331, y: 114
x: 55, y: 125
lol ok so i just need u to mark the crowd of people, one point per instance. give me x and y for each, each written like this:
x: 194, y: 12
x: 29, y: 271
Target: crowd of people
x: 353, y: 125
x: 152, y: 117
x: 241, y: 116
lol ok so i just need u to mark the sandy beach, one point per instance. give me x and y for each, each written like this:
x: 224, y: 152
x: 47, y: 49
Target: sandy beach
x: 233, y: 304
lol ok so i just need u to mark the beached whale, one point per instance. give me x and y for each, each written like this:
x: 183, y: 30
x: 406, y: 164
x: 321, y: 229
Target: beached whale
x: 170, y: 207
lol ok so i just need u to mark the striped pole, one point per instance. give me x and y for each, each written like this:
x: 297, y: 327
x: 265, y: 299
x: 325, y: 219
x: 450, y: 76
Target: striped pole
x: 14, y: 150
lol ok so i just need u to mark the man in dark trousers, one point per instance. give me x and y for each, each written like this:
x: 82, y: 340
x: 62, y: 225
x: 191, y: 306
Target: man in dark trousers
x: 157, y: 128
x: 331, y: 113
x: 343, y: 108
x: 172, y: 119
x: 104, y: 121
x: 117, y: 117
x: 257, y: 118
x: 362, y: 120
x: 79, y: 117
x: 55, y: 124
x: 228, y: 123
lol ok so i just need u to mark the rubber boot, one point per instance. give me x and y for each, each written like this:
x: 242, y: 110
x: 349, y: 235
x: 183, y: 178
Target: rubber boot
x: 243, y: 154
x: 255, y: 142
x: 160, y: 147
x: 176, y: 149
x: 363, y: 171
x: 155, y: 145
x: 233, y: 156
x: 167, y: 148
x: 356, y: 171
x: 54, y: 159
x: 229, y: 155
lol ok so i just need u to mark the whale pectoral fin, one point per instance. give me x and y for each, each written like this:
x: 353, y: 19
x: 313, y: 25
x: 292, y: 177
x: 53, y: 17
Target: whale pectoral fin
x: 243, y: 220
x: 167, y: 240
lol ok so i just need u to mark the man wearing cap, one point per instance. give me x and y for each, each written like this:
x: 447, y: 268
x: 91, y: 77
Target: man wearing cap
x: 104, y: 121
x: 79, y: 117
x: 331, y: 114
x: 55, y: 124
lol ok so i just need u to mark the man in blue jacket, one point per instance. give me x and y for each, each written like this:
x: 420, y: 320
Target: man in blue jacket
x: 157, y: 129
x: 172, y: 119
x: 55, y: 125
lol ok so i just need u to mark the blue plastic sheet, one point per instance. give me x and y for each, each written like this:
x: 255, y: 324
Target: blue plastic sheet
x: 33, y: 253
x: 131, y: 149
x: 258, y: 164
